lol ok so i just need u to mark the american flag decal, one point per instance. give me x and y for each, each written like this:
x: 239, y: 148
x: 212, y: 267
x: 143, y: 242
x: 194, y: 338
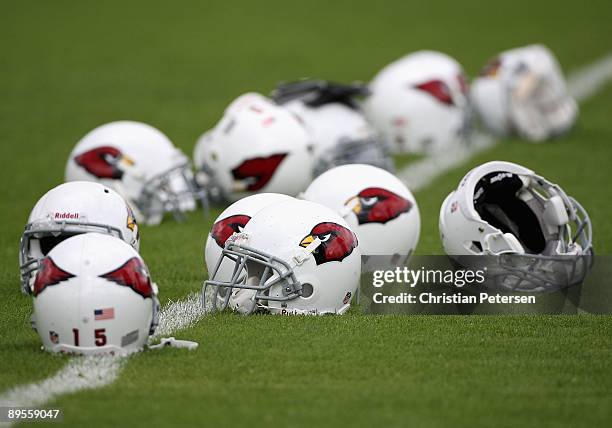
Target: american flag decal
x: 104, y: 314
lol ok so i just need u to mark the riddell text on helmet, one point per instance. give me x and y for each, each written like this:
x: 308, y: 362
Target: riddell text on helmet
x: 66, y: 216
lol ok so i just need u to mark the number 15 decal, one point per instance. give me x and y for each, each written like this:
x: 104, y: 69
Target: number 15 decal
x: 99, y: 335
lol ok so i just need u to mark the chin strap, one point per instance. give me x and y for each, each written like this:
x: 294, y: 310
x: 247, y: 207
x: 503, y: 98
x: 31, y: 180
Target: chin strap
x: 304, y: 254
x: 171, y: 342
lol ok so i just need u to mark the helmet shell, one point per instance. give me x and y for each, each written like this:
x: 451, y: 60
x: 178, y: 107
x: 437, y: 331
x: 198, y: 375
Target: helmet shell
x: 376, y: 205
x: 257, y: 146
x: 419, y: 103
x: 93, y: 294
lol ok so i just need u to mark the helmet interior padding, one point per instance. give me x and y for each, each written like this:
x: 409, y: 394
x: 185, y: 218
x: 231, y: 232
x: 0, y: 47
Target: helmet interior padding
x: 496, y: 201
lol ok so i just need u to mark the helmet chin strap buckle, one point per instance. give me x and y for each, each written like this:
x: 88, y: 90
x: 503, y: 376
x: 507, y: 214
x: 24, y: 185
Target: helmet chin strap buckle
x: 304, y: 255
x: 171, y: 342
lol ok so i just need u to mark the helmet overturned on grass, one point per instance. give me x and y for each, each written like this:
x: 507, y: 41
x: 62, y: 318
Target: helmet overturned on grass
x: 71, y: 209
x: 339, y: 132
x: 295, y: 257
x: 538, y: 237
x: 141, y: 164
x: 257, y: 146
x: 522, y: 91
x: 93, y: 294
x: 233, y: 220
x: 419, y: 103
x: 376, y: 205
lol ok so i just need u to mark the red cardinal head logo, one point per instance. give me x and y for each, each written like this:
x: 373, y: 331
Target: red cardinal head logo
x: 437, y: 89
x: 378, y: 205
x: 133, y: 274
x: 257, y: 172
x: 223, y: 229
x: 49, y: 274
x: 337, y: 242
x: 103, y: 162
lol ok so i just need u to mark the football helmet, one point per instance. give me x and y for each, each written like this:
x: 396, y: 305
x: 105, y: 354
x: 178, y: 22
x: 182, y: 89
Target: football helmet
x: 141, y: 164
x: 419, y: 103
x: 294, y: 257
x: 93, y: 294
x: 532, y: 228
x: 339, y: 132
x: 376, y: 205
x: 71, y: 209
x: 233, y: 220
x: 257, y: 146
x: 522, y: 91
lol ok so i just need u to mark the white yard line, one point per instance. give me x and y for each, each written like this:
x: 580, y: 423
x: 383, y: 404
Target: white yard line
x: 588, y: 80
x: 82, y: 373
x: 421, y: 173
x: 79, y: 373
x: 582, y: 84
x: 178, y: 315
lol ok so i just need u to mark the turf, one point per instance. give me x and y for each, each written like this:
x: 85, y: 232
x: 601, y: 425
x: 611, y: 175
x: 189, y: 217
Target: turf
x: 67, y: 67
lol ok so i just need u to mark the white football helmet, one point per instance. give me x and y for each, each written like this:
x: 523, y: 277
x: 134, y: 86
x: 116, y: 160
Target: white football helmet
x: 526, y: 222
x: 233, y: 220
x: 340, y: 136
x: 338, y: 130
x: 141, y: 164
x: 257, y: 146
x: 419, y: 103
x: 71, y: 209
x: 376, y: 205
x: 93, y: 294
x: 294, y: 257
x: 522, y: 91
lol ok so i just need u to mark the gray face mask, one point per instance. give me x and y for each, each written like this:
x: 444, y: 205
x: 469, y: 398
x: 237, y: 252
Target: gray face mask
x: 174, y: 191
x: 247, y: 288
x: 368, y: 151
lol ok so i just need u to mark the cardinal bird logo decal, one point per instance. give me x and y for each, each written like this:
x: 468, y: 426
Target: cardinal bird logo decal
x: 337, y: 242
x: 49, y: 274
x: 257, y: 172
x: 223, y: 229
x: 378, y: 205
x: 131, y: 219
x: 103, y: 162
x: 133, y: 274
x: 131, y: 222
x: 437, y: 89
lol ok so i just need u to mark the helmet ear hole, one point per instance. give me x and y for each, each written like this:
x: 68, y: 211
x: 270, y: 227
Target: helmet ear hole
x: 307, y: 290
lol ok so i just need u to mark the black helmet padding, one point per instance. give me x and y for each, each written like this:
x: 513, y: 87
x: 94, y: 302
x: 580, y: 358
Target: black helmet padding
x: 497, y: 203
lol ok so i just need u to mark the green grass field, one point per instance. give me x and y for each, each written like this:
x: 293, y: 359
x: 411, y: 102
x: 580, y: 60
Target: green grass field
x: 66, y: 67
